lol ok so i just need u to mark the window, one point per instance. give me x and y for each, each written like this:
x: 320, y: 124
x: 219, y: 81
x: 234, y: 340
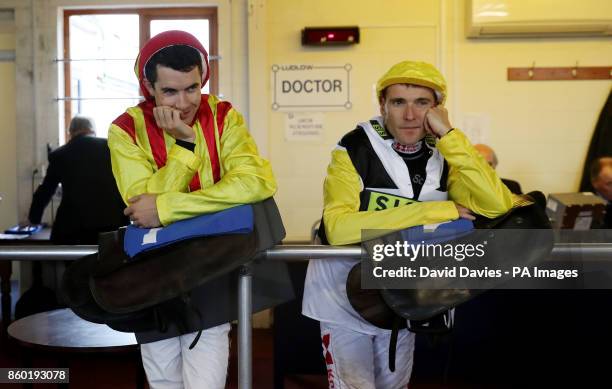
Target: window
x: 100, y: 47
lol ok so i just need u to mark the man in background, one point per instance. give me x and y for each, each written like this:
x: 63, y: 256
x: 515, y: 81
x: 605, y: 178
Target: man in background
x: 489, y: 156
x: 90, y: 200
x: 90, y: 204
x: 601, y: 179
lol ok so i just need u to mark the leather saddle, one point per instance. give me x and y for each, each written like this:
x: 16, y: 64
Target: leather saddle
x: 136, y: 294
x: 427, y: 309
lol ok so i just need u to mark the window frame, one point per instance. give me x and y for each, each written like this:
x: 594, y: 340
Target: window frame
x: 146, y: 15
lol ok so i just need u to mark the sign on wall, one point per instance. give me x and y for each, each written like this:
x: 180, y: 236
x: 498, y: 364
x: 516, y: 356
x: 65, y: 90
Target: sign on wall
x: 477, y: 126
x: 304, y: 126
x: 310, y: 87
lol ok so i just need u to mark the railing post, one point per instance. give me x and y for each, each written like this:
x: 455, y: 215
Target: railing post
x: 245, y: 307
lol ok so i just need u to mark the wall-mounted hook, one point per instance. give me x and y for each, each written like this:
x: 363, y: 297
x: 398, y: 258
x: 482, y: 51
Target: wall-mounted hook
x: 575, y: 70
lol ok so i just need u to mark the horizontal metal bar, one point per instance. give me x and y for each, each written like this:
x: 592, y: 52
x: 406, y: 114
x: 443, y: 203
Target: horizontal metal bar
x: 210, y: 58
x: 45, y: 253
x: 289, y: 252
x: 590, y: 251
x: 91, y: 59
x: 97, y: 98
x: 306, y: 252
x: 561, y: 251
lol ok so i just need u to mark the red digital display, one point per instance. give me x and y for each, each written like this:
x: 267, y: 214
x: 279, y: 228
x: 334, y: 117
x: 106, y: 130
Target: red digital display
x: 323, y: 36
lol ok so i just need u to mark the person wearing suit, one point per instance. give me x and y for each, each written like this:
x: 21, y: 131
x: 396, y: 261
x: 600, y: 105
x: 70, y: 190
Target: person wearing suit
x: 90, y: 204
x: 90, y: 200
x: 489, y: 156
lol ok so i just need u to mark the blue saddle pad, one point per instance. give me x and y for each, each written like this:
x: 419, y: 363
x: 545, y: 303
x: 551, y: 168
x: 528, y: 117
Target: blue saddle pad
x: 438, y: 233
x: 236, y: 220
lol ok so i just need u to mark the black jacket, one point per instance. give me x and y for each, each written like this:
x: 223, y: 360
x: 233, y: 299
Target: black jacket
x: 607, y: 223
x: 90, y: 200
x: 601, y: 143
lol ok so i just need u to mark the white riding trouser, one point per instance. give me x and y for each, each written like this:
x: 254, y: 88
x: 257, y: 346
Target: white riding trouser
x: 361, y: 361
x: 169, y: 364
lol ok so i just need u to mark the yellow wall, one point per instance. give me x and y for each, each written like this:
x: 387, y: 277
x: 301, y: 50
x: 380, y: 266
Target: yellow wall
x: 300, y: 166
x: 8, y: 145
x: 540, y: 130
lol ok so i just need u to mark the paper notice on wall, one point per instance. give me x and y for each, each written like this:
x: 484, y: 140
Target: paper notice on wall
x: 477, y: 127
x: 304, y: 126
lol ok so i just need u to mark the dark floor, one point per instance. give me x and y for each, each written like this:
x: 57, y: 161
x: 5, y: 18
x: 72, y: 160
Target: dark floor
x: 101, y: 372
x: 548, y: 339
x: 120, y: 372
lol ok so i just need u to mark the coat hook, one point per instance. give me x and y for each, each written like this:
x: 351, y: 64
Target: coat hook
x: 575, y: 70
x: 530, y: 71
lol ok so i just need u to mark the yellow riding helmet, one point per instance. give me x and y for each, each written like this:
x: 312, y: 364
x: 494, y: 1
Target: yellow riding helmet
x: 417, y: 73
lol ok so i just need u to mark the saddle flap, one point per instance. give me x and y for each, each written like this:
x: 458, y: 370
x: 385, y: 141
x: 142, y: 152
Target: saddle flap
x: 77, y: 295
x: 268, y: 224
x: 161, y: 274
x: 422, y: 302
x: 368, y: 302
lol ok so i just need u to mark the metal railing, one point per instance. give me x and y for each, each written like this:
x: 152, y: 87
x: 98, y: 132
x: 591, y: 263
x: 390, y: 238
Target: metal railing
x: 289, y: 253
x: 561, y: 251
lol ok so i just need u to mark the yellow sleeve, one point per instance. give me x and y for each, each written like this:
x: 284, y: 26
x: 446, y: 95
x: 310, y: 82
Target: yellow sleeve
x: 344, y: 222
x: 471, y: 181
x: 134, y: 169
x: 247, y: 178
